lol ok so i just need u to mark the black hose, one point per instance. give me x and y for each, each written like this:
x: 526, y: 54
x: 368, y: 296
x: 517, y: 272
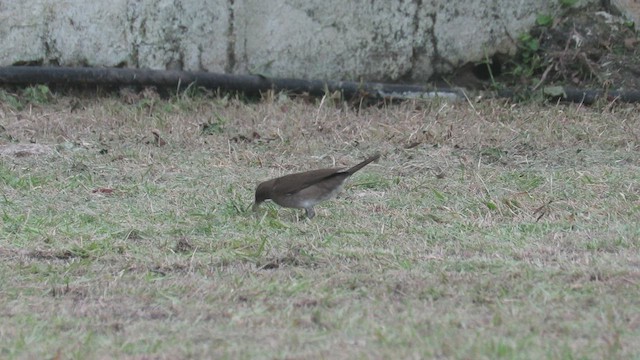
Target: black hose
x: 583, y: 96
x: 248, y: 84
x: 254, y: 84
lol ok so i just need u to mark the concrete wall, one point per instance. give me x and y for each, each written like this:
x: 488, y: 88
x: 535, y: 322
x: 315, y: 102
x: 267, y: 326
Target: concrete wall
x: 373, y: 40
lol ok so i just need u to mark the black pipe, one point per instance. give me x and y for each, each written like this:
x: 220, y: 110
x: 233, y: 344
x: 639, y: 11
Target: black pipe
x: 590, y: 96
x: 575, y: 95
x: 254, y: 85
x: 248, y: 84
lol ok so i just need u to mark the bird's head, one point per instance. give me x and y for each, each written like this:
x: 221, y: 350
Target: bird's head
x: 263, y: 192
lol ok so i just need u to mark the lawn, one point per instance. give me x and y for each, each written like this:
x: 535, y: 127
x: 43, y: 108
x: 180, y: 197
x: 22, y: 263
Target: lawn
x: 486, y: 230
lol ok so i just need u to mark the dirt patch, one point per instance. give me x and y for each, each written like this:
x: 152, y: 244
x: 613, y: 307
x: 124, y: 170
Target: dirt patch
x: 585, y: 48
x: 589, y: 48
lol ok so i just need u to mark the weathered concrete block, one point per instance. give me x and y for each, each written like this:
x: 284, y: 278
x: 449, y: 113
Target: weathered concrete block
x: 372, y: 40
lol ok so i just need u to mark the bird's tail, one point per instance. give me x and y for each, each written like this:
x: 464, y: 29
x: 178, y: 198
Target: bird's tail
x: 363, y: 164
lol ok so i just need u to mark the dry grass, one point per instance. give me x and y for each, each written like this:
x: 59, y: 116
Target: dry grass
x: 491, y: 230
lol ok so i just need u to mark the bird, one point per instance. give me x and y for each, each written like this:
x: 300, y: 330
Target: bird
x: 306, y: 189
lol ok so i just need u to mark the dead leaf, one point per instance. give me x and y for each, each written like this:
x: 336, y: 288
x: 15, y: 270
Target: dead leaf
x: 159, y: 141
x: 412, y: 145
x: 106, y: 191
x: 630, y: 43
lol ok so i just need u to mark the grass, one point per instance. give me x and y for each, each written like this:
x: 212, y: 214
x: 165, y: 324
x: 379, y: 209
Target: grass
x: 486, y: 230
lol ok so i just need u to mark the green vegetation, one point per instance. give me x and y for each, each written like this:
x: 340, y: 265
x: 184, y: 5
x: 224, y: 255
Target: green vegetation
x: 567, y: 3
x: 530, y: 61
x: 544, y: 20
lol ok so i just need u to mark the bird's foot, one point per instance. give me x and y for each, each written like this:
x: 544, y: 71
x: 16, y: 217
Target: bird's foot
x: 310, y: 213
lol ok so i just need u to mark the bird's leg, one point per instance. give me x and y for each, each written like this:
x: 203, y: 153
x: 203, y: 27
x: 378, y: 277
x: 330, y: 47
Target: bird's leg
x: 310, y: 212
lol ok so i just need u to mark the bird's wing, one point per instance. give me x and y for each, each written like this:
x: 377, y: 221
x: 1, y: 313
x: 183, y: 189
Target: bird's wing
x: 296, y: 182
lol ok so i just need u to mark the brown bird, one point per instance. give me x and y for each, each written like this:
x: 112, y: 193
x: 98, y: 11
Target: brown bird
x: 304, y: 190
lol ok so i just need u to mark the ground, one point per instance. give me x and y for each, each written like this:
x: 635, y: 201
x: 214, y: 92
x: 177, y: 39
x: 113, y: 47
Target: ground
x: 585, y: 48
x: 486, y: 230
x: 590, y: 48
